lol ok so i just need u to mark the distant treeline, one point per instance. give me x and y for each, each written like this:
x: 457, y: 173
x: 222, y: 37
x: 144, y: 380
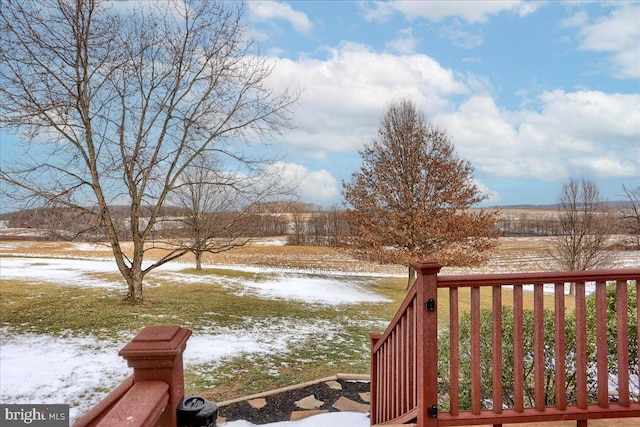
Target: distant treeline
x: 302, y: 223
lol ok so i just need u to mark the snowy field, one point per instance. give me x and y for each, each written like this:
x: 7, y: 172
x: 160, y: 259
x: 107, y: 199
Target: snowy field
x: 37, y: 368
x: 81, y: 370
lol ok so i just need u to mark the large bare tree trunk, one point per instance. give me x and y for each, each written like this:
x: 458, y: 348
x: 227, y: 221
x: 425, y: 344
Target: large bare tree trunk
x: 134, y: 282
x: 198, y: 260
x: 115, y: 104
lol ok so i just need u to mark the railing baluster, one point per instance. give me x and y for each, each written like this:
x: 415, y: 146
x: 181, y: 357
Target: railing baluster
x: 412, y: 357
x: 414, y: 354
x: 387, y: 380
x: 602, y: 346
x: 382, y: 383
x: 393, y: 358
x: 518, y: 351
x: 403, y: 359
x: 560, y: 347
x: 622, y: 340
x: 402, y: 364
x: 497, y: 349
x: 475, y: 350
x: 454, y: 345
x: 396, y: 371
x: 581, y: 346
x: 538, y: 343
x: 374, y: 379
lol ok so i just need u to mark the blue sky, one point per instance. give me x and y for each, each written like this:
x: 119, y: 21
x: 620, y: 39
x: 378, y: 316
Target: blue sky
x: 532, y: 93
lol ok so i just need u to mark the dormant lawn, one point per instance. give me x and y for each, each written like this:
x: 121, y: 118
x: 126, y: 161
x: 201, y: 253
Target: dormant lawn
x: 262, y: 316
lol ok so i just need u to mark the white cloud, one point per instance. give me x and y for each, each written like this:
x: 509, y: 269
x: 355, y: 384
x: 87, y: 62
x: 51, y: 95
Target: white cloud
x: 593, y: 115
x: 469, y: 10
x: 376, y: 11
x: 314, y: 186
x: 405, y: 43
x: 556, y: 134
x: 608, y: 167
x: 459, y: 37
x: 617, y: 34
x: 492, y: 197
x: 268, y: 10
x: 569, y: 134
x: 345, y: 94
x: 578, y: 19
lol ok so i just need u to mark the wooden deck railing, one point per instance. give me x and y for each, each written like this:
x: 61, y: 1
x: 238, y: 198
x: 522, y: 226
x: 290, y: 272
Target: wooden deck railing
x: 152, y: 394
x: 404, y: 362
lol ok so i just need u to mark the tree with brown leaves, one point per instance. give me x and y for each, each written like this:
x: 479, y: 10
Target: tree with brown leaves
x: 411, y: 198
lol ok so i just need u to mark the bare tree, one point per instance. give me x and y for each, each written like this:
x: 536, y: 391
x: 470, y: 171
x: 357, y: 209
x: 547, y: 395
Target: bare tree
x: 115, y: 100
x: 584, y: 228
x: 630, y: 215
x: 412, y: 196
x: 337, y: 226
x: 220, y: 205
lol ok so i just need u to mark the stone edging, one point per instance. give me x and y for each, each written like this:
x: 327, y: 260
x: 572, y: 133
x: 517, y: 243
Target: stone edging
x: 345, y: 377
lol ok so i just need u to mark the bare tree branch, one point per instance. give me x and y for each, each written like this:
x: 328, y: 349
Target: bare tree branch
x: 584, y: 228
x: 122, y: 98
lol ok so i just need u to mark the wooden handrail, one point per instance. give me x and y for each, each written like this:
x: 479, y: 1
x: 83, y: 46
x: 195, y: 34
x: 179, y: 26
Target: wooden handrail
x: 141, y: 406
x: 150, y: 397
x: 103, y: 407
x: 537, y: 278
x: 404, y: 357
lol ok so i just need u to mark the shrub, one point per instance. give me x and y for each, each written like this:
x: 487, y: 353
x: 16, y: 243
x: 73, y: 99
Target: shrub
x: 486, y: 353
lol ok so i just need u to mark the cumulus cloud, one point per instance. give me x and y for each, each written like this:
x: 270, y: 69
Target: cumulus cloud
x: 405, y: 43
x: 470, y: 10
x: 454, y: 15
x: 455, y: 33
x: 565, y: 134
x: 492, y: 197
x: 376, y: 11
x: 556, y: 135
x: 313, y: 186
x: 345, y: 93
x: 268, y: 10
x: 617, y: 34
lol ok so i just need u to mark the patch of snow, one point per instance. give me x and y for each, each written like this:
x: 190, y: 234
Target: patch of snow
x: 72, y: 272
x: 44, y: 369
x: 81, y: 272
x: 270, y: 241
x: 80, y: 371
x: 88, y: 247
x: 311, y: 289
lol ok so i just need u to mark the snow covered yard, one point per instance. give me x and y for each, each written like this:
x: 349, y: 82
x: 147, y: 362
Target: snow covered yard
x: 289, y: 321
x: 81, y: 368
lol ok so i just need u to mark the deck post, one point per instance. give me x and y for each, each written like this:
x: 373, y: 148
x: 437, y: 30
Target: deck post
x: 374, y: 380
x: 155, y: 354
x: 427, y: 340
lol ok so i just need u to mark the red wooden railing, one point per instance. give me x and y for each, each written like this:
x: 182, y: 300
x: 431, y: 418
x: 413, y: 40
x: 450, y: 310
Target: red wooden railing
x: 404, y: 362
x: 152, y: 394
